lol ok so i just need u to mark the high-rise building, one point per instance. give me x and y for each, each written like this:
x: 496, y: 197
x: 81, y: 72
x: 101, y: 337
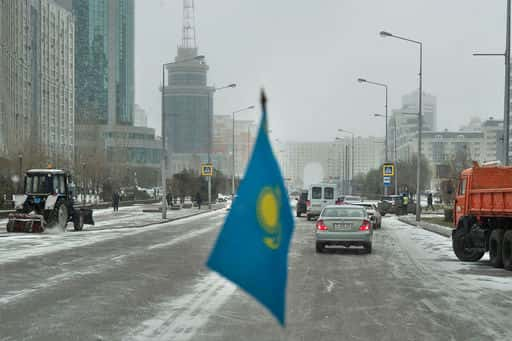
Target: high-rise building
x: 16, y: 39
x: 404, y: 122
x: 188, y: 99
x: 140, y: 118
x: 429, y: 103
x: 104, y: 61
x: 53, y: 81
x: 37, y: 82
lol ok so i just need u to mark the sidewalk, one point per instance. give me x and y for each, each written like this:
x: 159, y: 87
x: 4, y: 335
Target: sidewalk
x: 439, y: 229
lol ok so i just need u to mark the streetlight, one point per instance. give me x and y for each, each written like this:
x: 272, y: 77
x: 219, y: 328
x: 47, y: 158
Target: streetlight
x: 385, y: 86
x: 164, y: 146
x: 20, y: 159
x: 353, y: 156
x: 232, y: 85
x: 233, y: 170
x: 394, y: 149
x: 420, y: 115
x: 506, y: 113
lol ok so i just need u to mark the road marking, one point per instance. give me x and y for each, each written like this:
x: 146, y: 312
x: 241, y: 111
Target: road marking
x: 180, y: 318
x: 330, y: 285
x: 182, y: 238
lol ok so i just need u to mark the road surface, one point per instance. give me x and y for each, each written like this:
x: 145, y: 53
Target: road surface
x: 150, y: 283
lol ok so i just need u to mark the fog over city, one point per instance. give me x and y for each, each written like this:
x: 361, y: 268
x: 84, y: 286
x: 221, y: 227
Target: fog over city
x: 309, y: 54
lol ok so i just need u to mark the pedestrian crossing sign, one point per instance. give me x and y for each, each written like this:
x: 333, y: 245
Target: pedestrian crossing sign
x: 388, y: 169
x: 207, y: 169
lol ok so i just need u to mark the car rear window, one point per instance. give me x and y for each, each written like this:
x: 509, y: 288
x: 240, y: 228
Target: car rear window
x: 328, y: 193
x: 316, y: 192
x: 332, y: 212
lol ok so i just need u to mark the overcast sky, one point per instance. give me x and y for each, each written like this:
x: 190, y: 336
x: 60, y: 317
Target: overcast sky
x: 308, y: 55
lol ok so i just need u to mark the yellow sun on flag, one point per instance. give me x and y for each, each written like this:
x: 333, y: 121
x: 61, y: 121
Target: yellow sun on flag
x: 268, y: 217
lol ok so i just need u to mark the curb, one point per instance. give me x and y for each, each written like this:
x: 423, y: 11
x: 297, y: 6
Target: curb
x: 159, y: 222
x: 441, y: 230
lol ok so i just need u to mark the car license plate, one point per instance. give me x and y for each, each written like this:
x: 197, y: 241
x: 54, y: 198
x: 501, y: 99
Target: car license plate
x: 342, y: 226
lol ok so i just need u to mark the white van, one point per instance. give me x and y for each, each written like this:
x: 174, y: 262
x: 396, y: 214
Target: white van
x: 319, y: 196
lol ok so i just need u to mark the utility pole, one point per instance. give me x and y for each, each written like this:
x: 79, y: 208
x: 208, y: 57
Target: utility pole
x: 507, y: 88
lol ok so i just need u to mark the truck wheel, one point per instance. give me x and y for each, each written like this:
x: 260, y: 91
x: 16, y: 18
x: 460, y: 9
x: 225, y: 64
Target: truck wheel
x: 496, y: 248
x: 507, y: 250
x: 458, y: 244
x: 78, y: 223
x: 10, y: 226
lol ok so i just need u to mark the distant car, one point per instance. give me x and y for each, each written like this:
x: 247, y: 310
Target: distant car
x: 302, y: 203
x: 373, y: 213
x: 319, y: 196
x: 344, y: 225
x: 351, y: 198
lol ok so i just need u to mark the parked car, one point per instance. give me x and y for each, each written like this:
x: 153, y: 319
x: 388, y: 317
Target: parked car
x: 344, y: 225
x: 319, y: 196
x: 302, y: 203
x: 389, y: 204
x: 373, y: 213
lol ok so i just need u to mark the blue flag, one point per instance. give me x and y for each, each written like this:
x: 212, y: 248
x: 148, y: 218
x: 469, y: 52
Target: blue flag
x: 252, y: 247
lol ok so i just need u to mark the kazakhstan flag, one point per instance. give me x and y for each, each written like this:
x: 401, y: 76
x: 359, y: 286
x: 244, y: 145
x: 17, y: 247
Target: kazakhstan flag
x: 252, y: 247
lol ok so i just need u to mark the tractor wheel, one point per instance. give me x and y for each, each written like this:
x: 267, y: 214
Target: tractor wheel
x: 59, y: 216
x: 496, y: 248
x: 78, y: 222
x: 464, y: 254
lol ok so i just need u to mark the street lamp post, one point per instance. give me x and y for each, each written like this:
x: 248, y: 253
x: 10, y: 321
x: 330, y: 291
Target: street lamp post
x: 233, y: 150
x: 353, y: 156
x: 165, y: 157
x: 20, y: 159
x: 210, y: 142
x: 506, y: 113
x: 420, y: 117
x: 385, y: 86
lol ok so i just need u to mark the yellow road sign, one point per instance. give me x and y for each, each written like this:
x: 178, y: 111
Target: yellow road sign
x: 388, y: 169
x: 207, y: 169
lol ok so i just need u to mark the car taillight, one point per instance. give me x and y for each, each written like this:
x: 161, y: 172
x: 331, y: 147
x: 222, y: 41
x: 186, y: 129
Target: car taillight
x: 321, y: 226
x: 365, y: 226
x: 308, y: 203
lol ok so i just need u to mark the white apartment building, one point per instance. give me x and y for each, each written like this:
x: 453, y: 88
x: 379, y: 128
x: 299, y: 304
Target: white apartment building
x: 339, y: 160
x: 492, y: 141
x: 55, y: 88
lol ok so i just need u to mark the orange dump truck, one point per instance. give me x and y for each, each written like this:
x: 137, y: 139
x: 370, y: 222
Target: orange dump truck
x: 483, y: 215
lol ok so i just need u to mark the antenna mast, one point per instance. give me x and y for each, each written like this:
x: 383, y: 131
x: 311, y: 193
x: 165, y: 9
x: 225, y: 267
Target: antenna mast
x: 189, y: 25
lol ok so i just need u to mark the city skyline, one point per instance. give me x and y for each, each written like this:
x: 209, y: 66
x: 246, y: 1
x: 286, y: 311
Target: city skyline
x: 326, y: 52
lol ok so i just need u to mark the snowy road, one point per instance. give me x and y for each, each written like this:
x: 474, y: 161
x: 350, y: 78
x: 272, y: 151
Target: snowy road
x: 150, y: 284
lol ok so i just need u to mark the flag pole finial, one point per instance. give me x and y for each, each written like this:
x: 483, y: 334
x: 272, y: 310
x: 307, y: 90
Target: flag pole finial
x: 263, y: 100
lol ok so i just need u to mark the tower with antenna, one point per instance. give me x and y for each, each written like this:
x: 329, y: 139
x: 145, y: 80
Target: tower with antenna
x: 188, y: 47
x: 188, y: 100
